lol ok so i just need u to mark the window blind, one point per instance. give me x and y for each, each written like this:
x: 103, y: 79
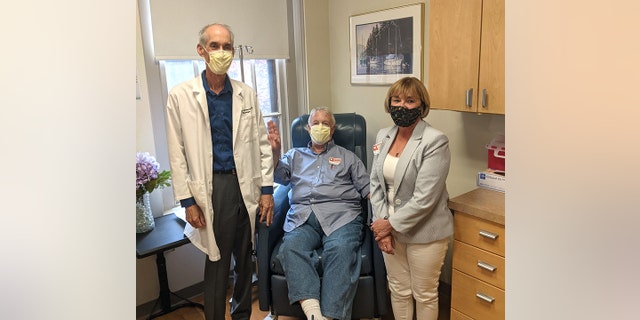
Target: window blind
x: 261, y: 24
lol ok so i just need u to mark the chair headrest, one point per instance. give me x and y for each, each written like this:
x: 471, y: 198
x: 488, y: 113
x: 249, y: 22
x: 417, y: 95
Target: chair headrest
x: 351, y: 133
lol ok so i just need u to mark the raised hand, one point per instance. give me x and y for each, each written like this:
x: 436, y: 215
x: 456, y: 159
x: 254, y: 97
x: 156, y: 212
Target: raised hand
x: 274, y: 137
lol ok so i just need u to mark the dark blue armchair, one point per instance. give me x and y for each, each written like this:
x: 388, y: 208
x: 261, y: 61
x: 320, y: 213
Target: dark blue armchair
x: 371, y: 297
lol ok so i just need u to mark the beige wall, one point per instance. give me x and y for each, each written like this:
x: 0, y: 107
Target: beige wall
x: 317, y: 45
x: 468, y: 133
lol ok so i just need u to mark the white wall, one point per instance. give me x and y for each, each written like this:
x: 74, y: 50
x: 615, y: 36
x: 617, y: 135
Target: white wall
x: 144, y: 127
x: 185, y: 265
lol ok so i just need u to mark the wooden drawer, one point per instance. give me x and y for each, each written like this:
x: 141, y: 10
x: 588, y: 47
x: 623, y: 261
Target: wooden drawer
x: 478, y: 263
x: 480, y: 233
x: 457, y: 315
x: 467, y: 295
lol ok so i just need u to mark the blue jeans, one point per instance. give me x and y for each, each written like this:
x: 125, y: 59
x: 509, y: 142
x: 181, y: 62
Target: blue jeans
x: 341, y: 260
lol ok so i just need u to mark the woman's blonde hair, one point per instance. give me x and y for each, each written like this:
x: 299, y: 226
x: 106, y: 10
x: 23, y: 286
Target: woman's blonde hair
x: 409, y: 87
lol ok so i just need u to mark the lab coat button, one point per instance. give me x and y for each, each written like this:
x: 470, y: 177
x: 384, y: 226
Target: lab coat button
x: 398, y: 201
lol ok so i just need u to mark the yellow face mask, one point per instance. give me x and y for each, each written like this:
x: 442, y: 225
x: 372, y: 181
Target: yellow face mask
x: 320, y: 134
x: 220, y: 61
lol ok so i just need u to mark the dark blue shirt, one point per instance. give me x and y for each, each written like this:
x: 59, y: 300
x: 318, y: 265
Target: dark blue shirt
x: 220, y: 120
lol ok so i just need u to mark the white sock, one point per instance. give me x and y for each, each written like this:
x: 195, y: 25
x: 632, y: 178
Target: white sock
x: 311, y: 307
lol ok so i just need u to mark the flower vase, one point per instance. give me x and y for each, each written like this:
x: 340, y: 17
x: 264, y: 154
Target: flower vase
x: 144, y: 216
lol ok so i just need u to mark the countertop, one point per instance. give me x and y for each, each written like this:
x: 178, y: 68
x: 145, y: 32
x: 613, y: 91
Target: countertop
x: 482, y: 203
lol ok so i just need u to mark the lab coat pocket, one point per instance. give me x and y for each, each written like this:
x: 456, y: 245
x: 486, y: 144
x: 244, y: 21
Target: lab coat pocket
x: 248, y: 127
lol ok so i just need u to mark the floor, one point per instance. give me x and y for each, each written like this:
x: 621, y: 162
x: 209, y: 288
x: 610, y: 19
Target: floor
x: 188, y: 313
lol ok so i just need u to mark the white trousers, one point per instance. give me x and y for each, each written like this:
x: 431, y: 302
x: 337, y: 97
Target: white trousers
x: 413, y: 273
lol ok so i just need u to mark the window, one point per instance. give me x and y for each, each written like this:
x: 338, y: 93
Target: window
x: 261, y: 74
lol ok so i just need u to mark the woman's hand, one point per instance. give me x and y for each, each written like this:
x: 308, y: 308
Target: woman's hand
x: 381, y: 228
x: 387, y: 244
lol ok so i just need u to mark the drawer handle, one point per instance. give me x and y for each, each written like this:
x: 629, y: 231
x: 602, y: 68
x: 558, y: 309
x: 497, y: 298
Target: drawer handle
x: 488, y: 234
x: 486, y: 266
x: 484, y: 98
x: 484, y: 297
x: 468, y: 97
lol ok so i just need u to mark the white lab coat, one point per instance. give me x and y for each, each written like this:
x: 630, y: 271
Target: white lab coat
x: 191, y: 154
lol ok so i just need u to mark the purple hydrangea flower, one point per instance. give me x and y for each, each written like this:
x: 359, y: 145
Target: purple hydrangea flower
x: 148, y: 175
x: 146, y: 168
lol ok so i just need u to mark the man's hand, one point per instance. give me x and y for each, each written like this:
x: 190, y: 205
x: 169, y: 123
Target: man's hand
x: 265, y: 208
x: 195, y: 217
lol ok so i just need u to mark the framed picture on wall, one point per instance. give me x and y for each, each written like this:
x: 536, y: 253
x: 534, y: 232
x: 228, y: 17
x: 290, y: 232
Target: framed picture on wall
x: 386, y: 45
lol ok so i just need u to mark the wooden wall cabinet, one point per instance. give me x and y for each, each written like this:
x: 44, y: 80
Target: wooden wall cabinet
x: 478, y: 277
x: 466, y: 55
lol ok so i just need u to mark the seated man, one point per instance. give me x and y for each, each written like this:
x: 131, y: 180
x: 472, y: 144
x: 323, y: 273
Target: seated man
x: 327, y: 184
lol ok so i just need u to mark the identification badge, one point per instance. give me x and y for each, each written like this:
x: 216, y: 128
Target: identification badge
x: 334, y: 161
x: 376, y: 148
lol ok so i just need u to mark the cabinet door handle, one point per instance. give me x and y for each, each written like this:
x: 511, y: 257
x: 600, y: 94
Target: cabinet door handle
x: 486, y: 266
x: 469, y: 97
x: 484, y: 98
x: 488, y: 234
x: 484, y: 297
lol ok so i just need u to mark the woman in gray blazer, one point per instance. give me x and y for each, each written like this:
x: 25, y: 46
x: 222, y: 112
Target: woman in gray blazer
x: 412, y: 222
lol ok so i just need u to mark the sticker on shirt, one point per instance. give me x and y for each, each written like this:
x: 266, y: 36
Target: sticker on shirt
x: 334, y: 161
x: 376, y: 149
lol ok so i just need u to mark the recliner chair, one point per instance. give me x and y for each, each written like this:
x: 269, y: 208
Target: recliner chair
x: 371, y: 296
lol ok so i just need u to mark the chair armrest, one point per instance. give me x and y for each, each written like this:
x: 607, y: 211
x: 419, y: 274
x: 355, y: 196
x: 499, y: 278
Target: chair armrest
x: 379, y: 268
x: 266, y: 240
x: 380, y: 277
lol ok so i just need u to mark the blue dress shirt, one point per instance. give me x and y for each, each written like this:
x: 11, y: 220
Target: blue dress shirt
x: 330, y: 184
x: 220, y: 122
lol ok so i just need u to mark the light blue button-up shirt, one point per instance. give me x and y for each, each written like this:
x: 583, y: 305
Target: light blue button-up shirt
x: 330, y: 184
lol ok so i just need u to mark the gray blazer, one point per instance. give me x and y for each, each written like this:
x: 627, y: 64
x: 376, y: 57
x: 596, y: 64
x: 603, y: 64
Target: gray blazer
x: 421, y: 213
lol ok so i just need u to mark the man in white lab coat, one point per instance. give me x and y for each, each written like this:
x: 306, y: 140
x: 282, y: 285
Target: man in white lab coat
x: 222, y: 170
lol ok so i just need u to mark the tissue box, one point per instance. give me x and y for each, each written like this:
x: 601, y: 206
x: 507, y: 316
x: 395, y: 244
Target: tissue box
x: 490, y: 180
